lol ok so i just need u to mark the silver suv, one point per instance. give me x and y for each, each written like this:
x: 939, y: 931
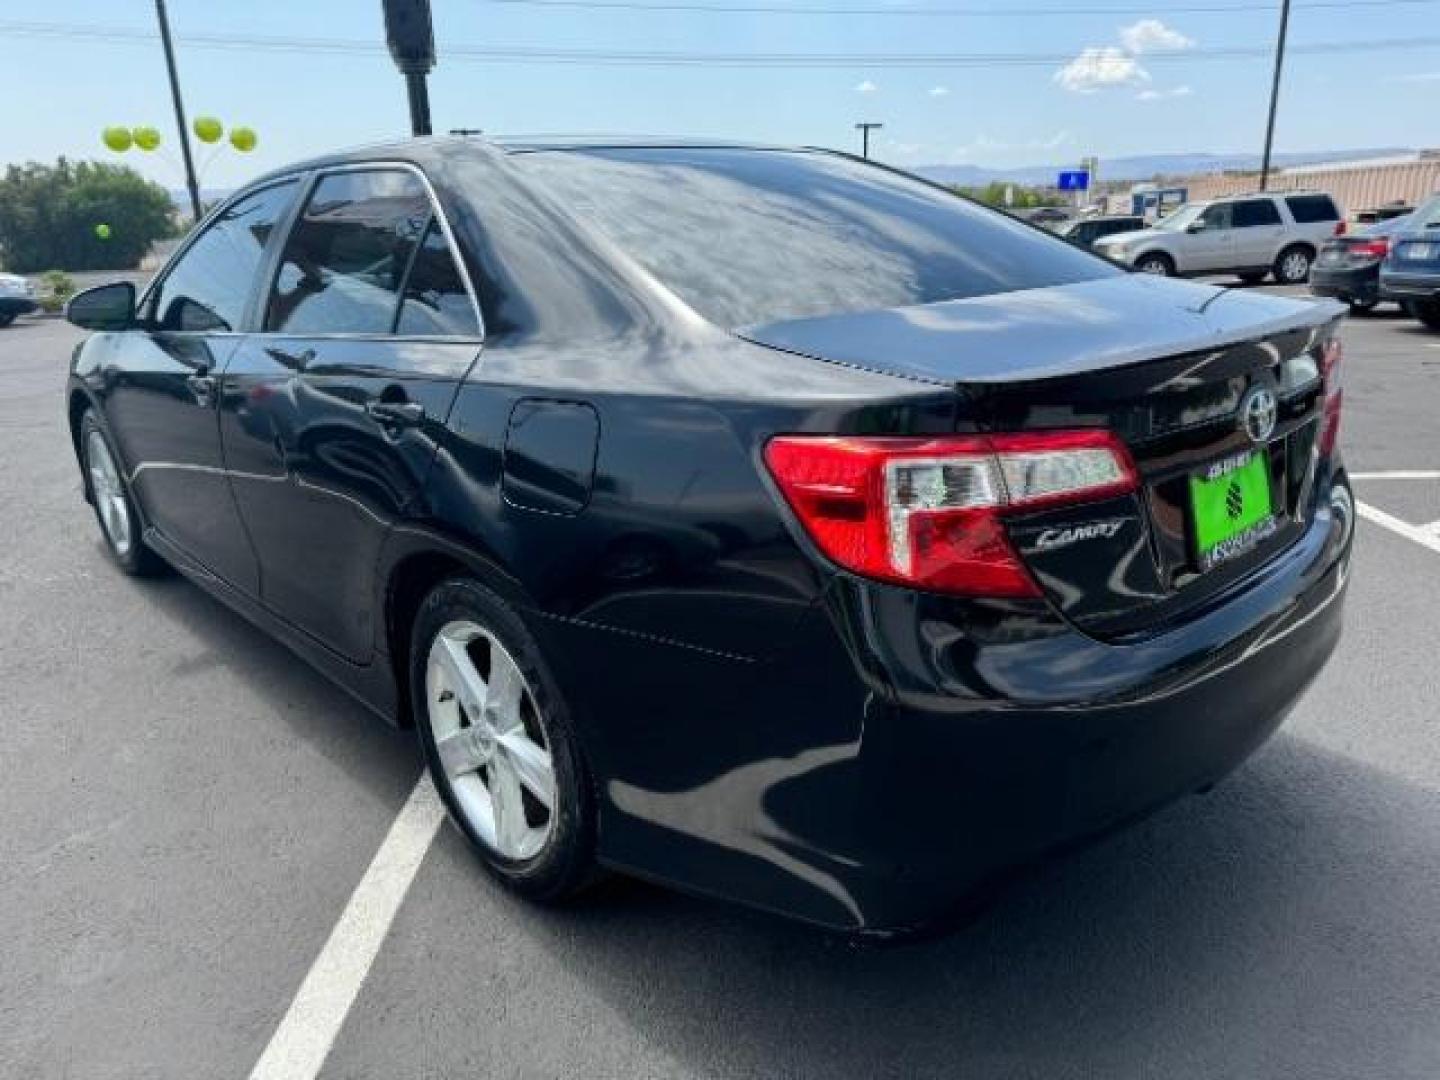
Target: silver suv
x: 1248, y: 235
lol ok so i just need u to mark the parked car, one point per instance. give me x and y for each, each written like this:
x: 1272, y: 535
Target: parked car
x: 1049, y: 216
x: 1252, y: 236
x: 1411, y: 272
x: 17, y: 297
x: 1376, y: 214
x: 803, y: 533
x: 1085, y: 232
x: 1348, y: 267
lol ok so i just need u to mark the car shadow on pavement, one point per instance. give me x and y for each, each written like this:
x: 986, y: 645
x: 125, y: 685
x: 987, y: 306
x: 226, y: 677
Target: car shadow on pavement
x: 379, y: 759
x: 1285, y: 925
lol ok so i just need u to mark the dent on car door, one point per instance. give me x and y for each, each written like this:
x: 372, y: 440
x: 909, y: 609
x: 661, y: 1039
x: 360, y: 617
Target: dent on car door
x: 332, y: 413
x: 162, y: 391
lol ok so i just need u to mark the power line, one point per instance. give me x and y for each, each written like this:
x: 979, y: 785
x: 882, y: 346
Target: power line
x: 945, y: 12
x: 610, y: 57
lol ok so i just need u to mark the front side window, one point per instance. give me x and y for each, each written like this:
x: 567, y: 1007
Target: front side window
x: 1218, y: 216
x: 1254, y: 212
x: 344, y: 263
x: 753, y: 236
x: 208, y: 286
x: 1307, y: 209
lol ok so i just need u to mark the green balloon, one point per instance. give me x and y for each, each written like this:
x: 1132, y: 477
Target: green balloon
x: 146, y: 138
x: 208, y: 129
x: 243, y: 139
x: 117, y: 138
x: 102, y: 231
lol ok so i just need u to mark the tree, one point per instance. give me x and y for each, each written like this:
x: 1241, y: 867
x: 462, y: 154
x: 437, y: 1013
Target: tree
x: 1026, y: 198
x: 49, y: 216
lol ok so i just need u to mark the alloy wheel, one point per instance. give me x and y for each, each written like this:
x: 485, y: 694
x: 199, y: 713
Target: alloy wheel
x: 1295, y: 267
x: 491, y: 741
x: 109, y: 494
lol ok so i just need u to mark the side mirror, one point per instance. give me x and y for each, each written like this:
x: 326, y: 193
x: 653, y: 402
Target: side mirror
x: 1196, y: 226
x: 105, y: 307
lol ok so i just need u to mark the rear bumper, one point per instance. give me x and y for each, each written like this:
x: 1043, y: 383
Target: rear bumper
x: 1410, y: 286
x: 1360, y: 284
x: 911, y: 749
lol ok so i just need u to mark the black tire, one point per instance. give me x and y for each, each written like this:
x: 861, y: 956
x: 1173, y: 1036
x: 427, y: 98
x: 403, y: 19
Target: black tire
x: 1428, y: 312
x: 1253, y: 277
x: 6, y: 318
x: 135, y: 558
x: 1361, y: 308
x: 1292, y: 265
x: 565, y: 864
x: 1156, y: 262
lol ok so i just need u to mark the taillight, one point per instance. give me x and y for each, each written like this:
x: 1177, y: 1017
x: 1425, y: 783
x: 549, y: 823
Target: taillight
x: 1330, y: 375
x: 1370, y: 249
x: 926, y: 512
x: 1341, y: 228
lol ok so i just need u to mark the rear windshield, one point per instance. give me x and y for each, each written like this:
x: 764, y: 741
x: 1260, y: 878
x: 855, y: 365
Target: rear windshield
x: 755, y: 236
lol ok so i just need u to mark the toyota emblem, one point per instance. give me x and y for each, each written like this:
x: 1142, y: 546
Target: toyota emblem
x: 1258, y: 410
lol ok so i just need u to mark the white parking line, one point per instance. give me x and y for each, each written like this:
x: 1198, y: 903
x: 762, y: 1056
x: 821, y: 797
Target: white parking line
x: 1398, y: 474
x: 1419, y: 533
x: 298, y: 1049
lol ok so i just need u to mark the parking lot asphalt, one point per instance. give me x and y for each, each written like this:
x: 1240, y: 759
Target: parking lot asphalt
x: 186, y: 809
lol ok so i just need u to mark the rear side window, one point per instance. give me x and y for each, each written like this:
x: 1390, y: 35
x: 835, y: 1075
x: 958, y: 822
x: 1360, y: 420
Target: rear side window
x: 1311, y: 208
x: 436, y: 301
x: 345, y: 262
x: 208, y: 286
x: 1253, y: 212
x: 754, y: 236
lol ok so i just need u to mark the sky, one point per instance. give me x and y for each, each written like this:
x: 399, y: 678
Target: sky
x: 1102, y: 77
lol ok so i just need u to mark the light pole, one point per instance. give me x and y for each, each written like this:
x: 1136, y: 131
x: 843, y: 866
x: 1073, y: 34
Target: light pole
x: 865, y: 130
x: 1274, y: 93
x: 411, y: 37
x: 190, y: 182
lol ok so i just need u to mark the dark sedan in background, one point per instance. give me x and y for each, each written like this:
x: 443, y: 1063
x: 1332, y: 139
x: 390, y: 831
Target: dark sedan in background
x: 1086, y: 231
x: 1411, y: 272
x: 1348, y: 266
x: 761, y: 521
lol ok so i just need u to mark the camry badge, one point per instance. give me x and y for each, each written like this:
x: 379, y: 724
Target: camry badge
x: 1258, y: 410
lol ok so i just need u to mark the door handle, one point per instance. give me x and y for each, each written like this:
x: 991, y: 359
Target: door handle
x: 396, y: 414
x: 202, y: 386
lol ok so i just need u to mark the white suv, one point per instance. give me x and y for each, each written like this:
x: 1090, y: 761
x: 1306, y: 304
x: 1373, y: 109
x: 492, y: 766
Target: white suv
x: 1248, y: 235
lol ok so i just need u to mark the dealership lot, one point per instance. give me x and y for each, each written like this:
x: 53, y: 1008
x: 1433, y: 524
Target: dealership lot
x: 187, y: 810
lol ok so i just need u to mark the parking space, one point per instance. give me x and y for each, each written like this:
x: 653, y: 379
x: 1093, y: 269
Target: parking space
x: 188, y: 810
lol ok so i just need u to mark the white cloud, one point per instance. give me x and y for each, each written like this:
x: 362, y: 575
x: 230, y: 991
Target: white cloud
x: 1160, y: 95
x: 866, y: 87
x: 984, y: 144
x: 939, y: 91
x: 1100, y: 66
x: 1152, y: 35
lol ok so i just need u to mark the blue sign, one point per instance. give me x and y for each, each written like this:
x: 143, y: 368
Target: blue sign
x: 1074, y: 180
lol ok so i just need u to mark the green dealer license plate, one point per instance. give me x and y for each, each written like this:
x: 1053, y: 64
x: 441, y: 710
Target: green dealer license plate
x: 1230, y: 505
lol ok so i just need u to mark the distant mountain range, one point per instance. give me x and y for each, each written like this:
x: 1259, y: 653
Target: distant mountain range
x: 1140, y: 167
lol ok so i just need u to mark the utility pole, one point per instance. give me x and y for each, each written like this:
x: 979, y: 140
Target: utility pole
x: 865, y: 130
x: 1275, y: 93
x: 411, y: 37
x: 190, y: 181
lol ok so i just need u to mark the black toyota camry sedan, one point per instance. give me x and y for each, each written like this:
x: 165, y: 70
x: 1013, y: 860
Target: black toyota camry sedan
x: 761, y: 521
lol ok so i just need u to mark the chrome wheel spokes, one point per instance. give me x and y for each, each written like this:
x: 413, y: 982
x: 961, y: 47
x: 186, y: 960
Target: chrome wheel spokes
x: 491, y: 740
x: 109, y: 493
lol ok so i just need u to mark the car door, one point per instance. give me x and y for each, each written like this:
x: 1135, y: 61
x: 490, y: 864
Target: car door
x: 1211, y: 247
x: 1259, y: 232
x: 331, y: 411
x: 162, y: 400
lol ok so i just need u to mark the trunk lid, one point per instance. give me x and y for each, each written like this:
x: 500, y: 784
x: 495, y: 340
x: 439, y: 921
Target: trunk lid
x: 1166, y: 365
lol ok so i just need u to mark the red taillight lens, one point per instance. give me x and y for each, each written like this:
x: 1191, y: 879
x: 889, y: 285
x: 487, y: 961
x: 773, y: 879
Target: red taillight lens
x: 927, y: 512
x: 1370, y: 249
x: 1330, y: 374
x: 1341, y: 227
